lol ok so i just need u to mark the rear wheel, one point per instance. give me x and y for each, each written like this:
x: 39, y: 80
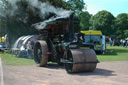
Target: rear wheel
x: 40, y: 53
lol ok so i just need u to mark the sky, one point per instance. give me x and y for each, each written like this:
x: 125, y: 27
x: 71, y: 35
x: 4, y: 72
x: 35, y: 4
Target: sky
x: 114, y: 6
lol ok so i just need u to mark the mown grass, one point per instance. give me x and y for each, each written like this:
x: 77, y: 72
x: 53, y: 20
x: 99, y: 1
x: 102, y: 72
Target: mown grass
x: 114, y: 53
x: 11, y: 59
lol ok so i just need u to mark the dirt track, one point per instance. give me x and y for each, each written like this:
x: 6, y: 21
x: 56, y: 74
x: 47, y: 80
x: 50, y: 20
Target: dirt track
x: 107, y: 73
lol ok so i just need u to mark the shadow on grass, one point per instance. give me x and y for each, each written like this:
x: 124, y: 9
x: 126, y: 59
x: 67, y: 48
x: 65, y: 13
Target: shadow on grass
x: 121, y: 50
x: 114, y: 51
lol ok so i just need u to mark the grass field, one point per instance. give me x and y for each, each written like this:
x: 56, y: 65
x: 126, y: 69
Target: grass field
x: 11, y: 59
x: 112, y: 54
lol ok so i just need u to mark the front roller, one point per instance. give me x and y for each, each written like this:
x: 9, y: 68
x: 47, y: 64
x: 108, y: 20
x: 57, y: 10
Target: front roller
x: 80, y: 60
x: 40, y: 53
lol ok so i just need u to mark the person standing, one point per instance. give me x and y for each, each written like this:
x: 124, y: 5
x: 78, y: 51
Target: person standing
x: 110, y: 41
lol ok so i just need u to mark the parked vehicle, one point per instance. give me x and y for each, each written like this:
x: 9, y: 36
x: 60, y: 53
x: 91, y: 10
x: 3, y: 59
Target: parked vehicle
x: 2, y: 43
x: 94, y: 39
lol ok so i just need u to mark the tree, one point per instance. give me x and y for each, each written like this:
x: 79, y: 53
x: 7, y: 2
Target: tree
x: 2, y: 17
x: 121, y: 24
x: 103, y: 21
x: 84, y: 20
x: 126, y: 33
x: 21, y: 14
x: 58, y: 3
x: 77, y: 6
x: 2, y: 27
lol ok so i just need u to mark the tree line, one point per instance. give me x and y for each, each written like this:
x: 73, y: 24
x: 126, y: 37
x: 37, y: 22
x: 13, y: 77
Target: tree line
x: 106, y: 22
x: 20, y: 16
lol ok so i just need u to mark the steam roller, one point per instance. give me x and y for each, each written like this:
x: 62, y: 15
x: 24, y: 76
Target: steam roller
x: 74, y: 60
x: 59, y: 42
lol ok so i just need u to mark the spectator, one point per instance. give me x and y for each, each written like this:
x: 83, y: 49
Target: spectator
x: 110, y: 41
x: 126, y: 43
x: 121, y: 42
x: 29, y: 49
